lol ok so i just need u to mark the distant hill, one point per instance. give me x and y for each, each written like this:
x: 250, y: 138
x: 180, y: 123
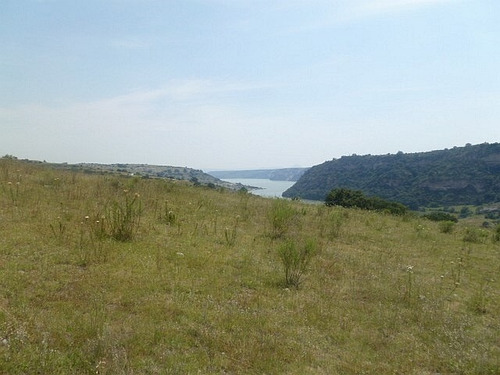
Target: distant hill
x: 461, y: 175
x: 283, y: 174
x: 154, y: 171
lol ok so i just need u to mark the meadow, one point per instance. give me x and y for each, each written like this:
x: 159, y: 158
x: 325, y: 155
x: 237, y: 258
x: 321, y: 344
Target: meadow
x: 107, y: 274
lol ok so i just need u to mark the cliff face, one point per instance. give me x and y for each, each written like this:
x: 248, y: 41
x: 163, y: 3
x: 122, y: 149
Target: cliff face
x: 462, y: 175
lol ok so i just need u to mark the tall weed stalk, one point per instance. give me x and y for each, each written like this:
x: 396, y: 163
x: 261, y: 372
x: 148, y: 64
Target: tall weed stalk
x: 124, y: 217
x: 295, y: 259
x: 230, y: 233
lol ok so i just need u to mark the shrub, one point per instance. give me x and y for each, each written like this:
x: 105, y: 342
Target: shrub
x: 465, y: 212
x: 355, y: 198
x: 446, y: 226
x: 346, y: 198
x: 475, y: 235
x: 295, y: 259
x: 281, y: 216
x: 496, y: 235
x: 441, y: 216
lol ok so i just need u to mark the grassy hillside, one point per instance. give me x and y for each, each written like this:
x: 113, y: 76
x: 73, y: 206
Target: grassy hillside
x: 116, y: 275
x: 467, y: 175
x: 151, y: 171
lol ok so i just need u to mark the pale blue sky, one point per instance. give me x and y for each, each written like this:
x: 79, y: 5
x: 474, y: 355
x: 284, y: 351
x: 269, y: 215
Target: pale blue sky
x: 241, y: 84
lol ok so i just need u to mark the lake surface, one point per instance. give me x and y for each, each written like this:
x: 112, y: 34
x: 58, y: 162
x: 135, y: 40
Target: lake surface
x: 269, y: 188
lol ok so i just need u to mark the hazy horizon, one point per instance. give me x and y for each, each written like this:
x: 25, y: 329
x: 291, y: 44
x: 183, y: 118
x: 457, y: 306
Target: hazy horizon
x: 208, y: 170
x: 241, y: 84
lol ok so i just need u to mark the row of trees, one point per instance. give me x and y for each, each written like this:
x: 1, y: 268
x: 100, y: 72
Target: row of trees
x: 355, y: 198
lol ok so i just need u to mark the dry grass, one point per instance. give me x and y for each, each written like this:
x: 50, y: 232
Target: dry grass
x: 182, y: 298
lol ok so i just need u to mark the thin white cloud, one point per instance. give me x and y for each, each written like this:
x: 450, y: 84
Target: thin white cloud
x: 376, y: 7
x: 185, y: 90
x: 334, y: 13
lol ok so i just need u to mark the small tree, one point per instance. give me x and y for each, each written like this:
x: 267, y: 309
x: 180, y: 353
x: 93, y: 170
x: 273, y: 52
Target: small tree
x: 446, y: 226
x: 346, y: 198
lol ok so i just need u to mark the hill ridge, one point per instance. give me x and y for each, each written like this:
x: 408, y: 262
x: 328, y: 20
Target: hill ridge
x: 461, y: 175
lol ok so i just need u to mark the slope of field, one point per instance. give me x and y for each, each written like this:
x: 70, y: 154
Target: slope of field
x: 120, y: 275
x: 151, y: 171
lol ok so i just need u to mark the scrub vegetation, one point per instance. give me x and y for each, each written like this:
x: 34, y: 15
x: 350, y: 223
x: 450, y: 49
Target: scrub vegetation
x: 105, y: 274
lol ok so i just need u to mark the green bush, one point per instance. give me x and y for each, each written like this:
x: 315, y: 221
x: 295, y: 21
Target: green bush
x: 446, y: 226
x: 475, y: 235
x: 465, y: 212
x: 346, y: 198
x: 496, y: 235
x: 355, y: 198
x: 441, y: 216
x: 281, y: 216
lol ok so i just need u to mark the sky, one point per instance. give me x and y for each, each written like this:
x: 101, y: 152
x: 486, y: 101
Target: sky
x: 245, y: 84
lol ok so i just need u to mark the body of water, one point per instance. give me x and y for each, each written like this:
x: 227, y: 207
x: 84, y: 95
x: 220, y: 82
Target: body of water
x: 269, y: 188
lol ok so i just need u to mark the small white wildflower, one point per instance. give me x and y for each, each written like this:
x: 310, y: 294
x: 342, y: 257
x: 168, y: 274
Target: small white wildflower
x: 409, y: 268
x: 87, y: 217
x: 180, y: 254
